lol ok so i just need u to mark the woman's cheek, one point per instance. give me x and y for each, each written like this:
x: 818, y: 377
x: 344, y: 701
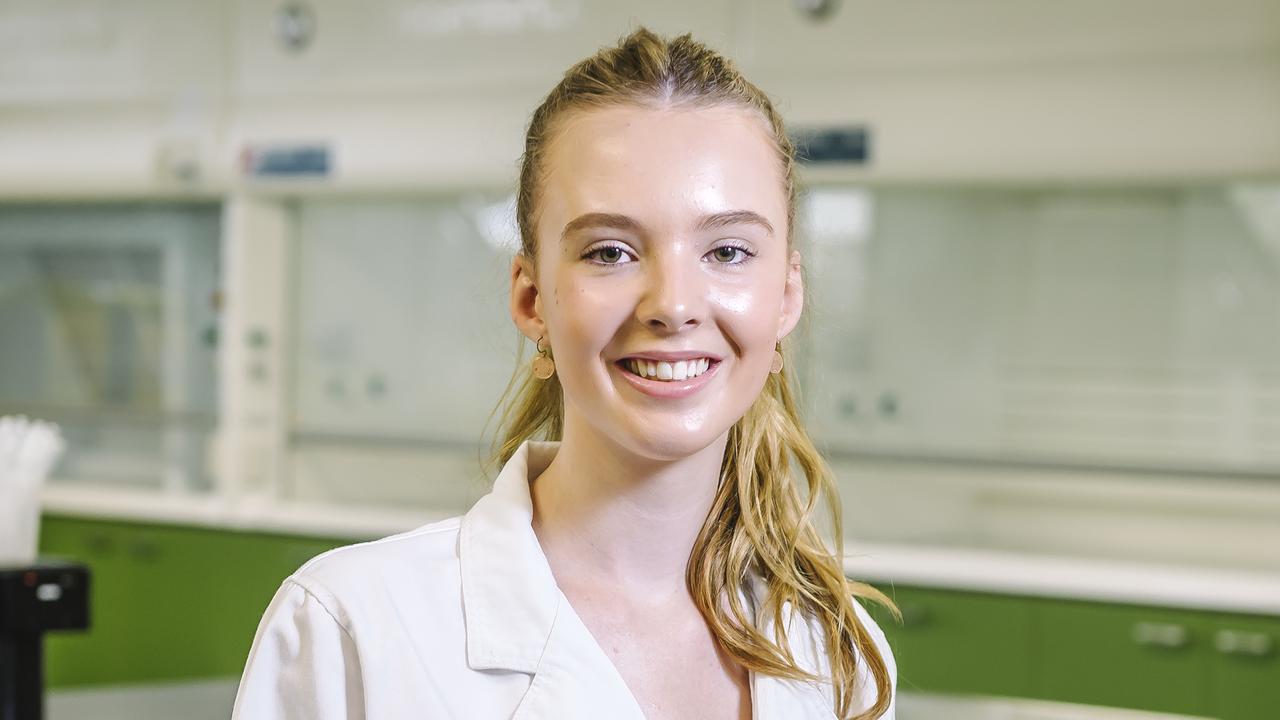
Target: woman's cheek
x: 593, y: 311
x: 752, y: 315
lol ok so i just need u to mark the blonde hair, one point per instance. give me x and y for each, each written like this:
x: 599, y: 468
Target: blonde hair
x: 759, y: 519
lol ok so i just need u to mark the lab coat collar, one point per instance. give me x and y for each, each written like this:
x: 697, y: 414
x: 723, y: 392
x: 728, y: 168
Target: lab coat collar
x: 517, y: 619
x: 509, y: 594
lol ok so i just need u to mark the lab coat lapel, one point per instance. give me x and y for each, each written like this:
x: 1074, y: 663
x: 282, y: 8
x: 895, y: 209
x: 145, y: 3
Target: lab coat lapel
x: 509, y: 594
x: 576, y: 679
x: 517, y: 618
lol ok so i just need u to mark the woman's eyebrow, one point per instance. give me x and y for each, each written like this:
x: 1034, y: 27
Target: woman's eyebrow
x: 599, y: 220
x: 623, y: 222
x: 734, y: 217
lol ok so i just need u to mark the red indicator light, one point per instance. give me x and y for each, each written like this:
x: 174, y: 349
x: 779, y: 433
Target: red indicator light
x: 29, y: 578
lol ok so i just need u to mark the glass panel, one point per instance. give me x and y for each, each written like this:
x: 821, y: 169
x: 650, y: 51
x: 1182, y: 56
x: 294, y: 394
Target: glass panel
x: 403, y: 345
x: 1120, y: 327
x: 108, y: 315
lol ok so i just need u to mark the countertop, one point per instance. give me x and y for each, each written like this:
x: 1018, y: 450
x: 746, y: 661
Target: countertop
x: 1108, y: 580
x: 926, y: 565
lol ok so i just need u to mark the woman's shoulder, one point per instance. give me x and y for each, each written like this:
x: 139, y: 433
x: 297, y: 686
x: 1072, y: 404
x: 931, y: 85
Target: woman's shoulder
x: 807, y: 639
x: 868, y: 623
x: 873, y: 628
x: 886, y: 653
x: 348, y: 625
x: 416, y: 566
x: 434, y: 538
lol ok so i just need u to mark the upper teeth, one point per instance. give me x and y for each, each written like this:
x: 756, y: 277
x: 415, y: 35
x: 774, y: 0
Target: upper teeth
x: 679, y: 370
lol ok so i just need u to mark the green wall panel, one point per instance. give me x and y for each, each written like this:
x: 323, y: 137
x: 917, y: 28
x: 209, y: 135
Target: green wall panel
x: 167, y: 602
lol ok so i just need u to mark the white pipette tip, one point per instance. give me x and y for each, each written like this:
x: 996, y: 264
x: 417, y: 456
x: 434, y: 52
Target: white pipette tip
x: 28, y: 449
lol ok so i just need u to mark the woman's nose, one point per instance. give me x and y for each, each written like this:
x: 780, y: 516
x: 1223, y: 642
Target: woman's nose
x: 675, y: 294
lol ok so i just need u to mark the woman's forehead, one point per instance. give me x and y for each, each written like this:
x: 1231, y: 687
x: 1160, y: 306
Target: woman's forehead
x: 662, y: 164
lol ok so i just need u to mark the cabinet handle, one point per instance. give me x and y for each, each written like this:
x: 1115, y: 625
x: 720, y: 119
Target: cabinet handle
x: 915, y: 615
x: 1239, y: 642
x: 1161, y: 635
x: 99, y: 544
x: 145, y: 550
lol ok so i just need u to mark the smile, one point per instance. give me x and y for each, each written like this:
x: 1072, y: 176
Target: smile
x: 667, y: 380
x: 668, y: 371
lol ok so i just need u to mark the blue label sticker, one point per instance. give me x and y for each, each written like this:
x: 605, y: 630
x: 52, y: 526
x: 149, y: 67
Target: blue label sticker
x: 286, y: 160
x: 850, y: 145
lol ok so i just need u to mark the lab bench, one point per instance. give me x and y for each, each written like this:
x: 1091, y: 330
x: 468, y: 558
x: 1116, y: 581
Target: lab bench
x: 1192, y: 641
x: 168, y: 602
x: 1221, y: 665
x: 185, y: 601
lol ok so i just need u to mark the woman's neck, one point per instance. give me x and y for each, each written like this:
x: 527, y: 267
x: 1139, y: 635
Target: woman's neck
x: 607, y: 516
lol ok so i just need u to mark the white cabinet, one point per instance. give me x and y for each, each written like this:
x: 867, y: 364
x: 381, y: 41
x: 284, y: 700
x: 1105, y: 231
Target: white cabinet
x: 425, y: 95
x: 1103, y: 326
x: 146, y: 97
x: 401, y: 325
x: 911, y: 316
x: 108, y: 99
x: 125, y: 50
x: 1002, y: 89
x: 467, y: 46
x: 913, y: 36
x: 109, y: 319
x: 401, y: 345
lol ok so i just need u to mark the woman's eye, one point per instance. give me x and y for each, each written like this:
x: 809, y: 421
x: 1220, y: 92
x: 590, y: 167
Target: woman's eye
x: 608, y: 255
x: 729, y: 254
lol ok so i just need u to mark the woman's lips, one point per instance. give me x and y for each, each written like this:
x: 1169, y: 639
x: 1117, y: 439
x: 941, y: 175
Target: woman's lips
x: 667, y: 388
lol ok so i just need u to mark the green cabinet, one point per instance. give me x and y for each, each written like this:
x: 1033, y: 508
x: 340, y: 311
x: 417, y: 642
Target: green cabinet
x: 177, y: 602
x: 1120, y: 656
x: 1225, y: 666
x: 1245, y: 666
x: 959, y: 642
x: 166, y: 602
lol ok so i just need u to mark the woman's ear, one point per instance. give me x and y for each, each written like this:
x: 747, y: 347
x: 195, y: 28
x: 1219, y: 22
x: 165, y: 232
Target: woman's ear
x: 792, y: 297
x: 526, y: 301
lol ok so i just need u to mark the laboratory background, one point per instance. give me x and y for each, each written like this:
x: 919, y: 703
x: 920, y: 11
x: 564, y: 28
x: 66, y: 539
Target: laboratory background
x: 253, y: 302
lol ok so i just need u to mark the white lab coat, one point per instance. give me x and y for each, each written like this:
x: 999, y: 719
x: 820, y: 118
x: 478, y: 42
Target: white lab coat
x: 463, y: 619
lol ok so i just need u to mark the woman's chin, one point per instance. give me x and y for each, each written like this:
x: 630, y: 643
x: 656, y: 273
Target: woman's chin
x: 669, y: 443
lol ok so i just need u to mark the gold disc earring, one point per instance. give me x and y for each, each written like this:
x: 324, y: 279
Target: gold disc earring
x: 543, y: 366
x: 777, y: 360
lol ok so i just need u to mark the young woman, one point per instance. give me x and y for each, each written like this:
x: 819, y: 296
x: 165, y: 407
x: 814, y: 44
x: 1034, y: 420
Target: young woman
x: 648, y: 549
